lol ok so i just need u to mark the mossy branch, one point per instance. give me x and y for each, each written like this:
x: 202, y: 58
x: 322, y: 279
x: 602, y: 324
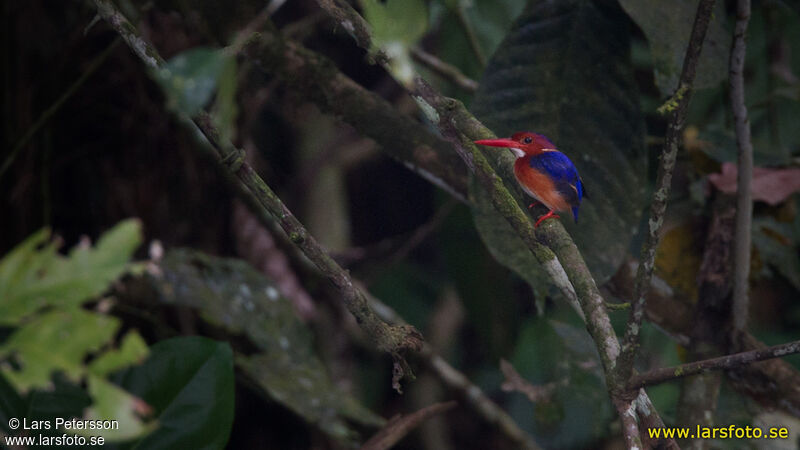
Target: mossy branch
x: 658, y: 207
x: 473, y: 395
x: 393, y: 339
x: 316, y: 78
x: 568, y: 270
x: 355, y: 25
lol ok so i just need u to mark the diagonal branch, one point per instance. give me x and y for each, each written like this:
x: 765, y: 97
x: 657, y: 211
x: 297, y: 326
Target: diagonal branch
x: 683, y: 94
x: 454, y: 121
x: 442, y: 112
x: 472, y: 394
x: 392, y: 339
x: 399, y: 426
x: 316, y: 78
x: 722, y: 363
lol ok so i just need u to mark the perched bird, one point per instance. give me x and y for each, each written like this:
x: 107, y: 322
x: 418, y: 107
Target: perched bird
x: 544, y: 173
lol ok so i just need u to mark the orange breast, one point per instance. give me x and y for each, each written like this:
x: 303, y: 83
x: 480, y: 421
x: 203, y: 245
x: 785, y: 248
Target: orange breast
x: 539, y: 185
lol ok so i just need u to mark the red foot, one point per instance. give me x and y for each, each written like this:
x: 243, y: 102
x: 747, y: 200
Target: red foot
x: 533, y: 204
x: 549, y: 215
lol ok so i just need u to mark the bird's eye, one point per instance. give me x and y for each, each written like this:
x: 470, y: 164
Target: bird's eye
x: 527, y: 140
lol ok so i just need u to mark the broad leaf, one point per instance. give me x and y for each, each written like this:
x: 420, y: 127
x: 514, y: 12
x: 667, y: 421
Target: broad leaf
x: 490, y: 19
x: 562, y: 359
x: 667, y: 25
x: 31, y: 278
x: 554, y: 76
x: 110, y: 402
x: 58, y: 340
x: 232, y: 295
x: 132, y: 350
x: 189, y: 383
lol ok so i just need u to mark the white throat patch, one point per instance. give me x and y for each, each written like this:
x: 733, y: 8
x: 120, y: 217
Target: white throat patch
x: 517, y: 152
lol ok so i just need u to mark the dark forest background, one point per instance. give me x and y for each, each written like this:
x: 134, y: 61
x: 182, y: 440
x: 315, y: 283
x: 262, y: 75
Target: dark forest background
x: 136, y: 285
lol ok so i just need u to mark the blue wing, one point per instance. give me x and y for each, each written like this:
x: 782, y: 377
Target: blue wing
x: 564, y: 175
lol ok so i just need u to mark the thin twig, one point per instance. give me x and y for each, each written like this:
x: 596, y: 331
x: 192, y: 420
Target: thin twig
x: 399, y: 426
x: 722, y: 363
x: 744, y: 204
x: 392, y: 339
x: 630, y: 341
x: 457, y: 381
x: 515, y: 382
x: 52, y: 109
x: 446, y: 71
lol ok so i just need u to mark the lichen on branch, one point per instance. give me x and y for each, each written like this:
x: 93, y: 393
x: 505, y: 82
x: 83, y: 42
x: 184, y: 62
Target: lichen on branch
x: 395, y: 340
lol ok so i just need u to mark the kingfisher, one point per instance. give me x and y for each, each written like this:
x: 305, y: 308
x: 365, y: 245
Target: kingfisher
x: 544, y: 173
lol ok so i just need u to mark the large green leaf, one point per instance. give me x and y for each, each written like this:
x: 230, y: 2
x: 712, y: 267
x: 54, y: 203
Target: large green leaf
x: 110, y: 402
x: 58, y: 340
x: 490, y: 19
x: 554, y: 76
x: 32, y: 277
x: 232, y: 295
x: 667, y: 25
x: 189, y: 383
x: 562, y: 359
x: 48, y: 351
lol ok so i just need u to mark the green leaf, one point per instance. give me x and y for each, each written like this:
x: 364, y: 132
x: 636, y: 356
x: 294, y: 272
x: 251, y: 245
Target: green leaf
x: 396, y: 26
x: 190, y: 78
x: 189, y: 383
x: 402, y: 21
x: 552, y: 75
x: 58, y: 340
x: 110, y: 402
x: 491, y: 21
x: 24, y: 261
x: 562, y: 357
x: 667, y: 25
x: 31, y: 278
x: 232, y: 295
x: 504, y: 243
x: 132, y: 351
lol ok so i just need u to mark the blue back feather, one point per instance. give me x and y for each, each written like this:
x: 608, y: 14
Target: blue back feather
x: 560, y: 169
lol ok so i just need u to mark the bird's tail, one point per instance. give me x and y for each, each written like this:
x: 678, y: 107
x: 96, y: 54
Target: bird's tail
x: 575, y: 213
